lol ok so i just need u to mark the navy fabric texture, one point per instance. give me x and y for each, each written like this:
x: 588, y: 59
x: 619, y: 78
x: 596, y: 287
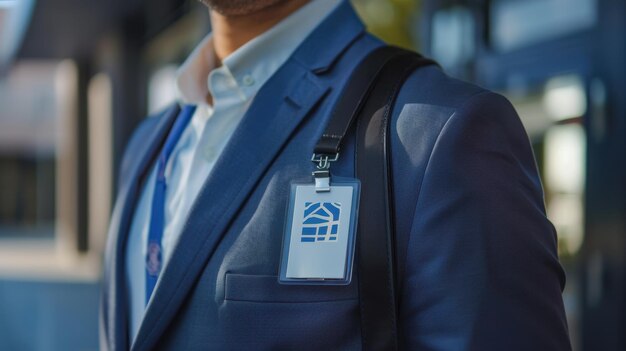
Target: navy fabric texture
x: 477, y: 258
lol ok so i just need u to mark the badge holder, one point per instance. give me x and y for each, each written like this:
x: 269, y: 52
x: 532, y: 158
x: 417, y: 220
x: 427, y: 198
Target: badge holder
x: 320, y: 229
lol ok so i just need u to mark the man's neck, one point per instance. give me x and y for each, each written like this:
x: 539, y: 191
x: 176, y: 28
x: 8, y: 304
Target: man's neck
x: 232, y: 32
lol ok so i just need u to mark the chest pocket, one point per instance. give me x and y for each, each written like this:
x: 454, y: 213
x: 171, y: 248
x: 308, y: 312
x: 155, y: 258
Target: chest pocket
x: 261, y: 314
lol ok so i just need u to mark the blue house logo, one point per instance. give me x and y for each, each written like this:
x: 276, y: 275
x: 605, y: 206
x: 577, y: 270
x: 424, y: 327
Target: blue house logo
x: 321, y: 221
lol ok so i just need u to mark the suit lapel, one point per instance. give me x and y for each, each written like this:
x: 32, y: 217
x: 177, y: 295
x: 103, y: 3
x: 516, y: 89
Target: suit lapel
x: 114, y: 299
x: 276, y: 112
x: 264, y: 130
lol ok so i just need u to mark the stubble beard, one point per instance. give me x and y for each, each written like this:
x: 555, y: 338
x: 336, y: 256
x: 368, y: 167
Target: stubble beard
x: 239, y: 7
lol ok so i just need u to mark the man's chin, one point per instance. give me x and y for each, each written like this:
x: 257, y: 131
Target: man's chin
x: 239, y: 7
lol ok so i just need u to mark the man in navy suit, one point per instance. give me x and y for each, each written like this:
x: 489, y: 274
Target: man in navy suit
x: 195, y: 240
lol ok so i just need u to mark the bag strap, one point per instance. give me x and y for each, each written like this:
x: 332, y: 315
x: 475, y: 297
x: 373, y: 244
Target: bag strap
x: 368, y: 99
x: 376, y: 235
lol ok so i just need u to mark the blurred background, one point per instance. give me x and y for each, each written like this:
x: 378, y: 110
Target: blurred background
x: 76, y: 76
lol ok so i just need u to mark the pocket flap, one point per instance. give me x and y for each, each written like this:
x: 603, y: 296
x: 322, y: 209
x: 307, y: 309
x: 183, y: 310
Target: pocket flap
x: 265, y: 288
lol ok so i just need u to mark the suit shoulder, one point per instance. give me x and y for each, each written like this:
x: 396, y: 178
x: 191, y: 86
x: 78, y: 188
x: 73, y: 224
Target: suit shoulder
x: 433, y: 97
x: 432, y: 86
x: 133, y: 146
x: 434, y: 109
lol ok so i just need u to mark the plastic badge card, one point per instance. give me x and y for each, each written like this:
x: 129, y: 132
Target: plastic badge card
x: 320, y: 230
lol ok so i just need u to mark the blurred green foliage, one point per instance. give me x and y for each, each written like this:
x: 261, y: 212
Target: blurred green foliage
x: 391, y: 20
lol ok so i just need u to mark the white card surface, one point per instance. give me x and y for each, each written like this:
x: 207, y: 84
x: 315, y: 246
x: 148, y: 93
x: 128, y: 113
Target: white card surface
x: 320, y: 237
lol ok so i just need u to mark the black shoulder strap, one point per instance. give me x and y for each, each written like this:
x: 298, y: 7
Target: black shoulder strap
x: 368, y: 99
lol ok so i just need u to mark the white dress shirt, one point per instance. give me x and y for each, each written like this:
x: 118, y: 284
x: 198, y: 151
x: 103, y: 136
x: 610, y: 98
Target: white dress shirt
x: 232, y: 87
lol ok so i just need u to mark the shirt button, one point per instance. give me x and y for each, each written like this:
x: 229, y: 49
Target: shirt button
x: 248, y: 80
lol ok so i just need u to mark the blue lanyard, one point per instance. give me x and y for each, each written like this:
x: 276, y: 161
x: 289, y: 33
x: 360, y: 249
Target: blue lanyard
x: 154, y: 253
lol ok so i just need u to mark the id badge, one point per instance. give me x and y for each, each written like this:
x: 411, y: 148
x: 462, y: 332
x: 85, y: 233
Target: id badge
x: 320, y: 230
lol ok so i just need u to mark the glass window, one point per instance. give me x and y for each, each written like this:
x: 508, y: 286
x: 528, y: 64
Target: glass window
x: 564, y: 164
x: 30, y: 134
x: 39, y: 171
x: 162, y: 89
x: 100, y: 146
x: 552, y: 115
x: 452, y: 42
x: 14, y: 18
x: 515, y: 23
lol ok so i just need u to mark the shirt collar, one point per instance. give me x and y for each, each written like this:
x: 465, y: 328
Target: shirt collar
x: 244, y: 71
x: 191, y: 79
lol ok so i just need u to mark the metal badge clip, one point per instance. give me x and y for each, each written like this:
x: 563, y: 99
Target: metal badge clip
x: 322, y: 174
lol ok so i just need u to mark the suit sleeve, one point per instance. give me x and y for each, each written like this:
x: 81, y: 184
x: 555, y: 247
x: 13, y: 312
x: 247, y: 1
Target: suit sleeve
x: 482, y: 270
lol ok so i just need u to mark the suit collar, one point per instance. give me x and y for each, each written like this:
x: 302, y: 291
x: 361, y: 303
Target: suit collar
x: 334, y: 35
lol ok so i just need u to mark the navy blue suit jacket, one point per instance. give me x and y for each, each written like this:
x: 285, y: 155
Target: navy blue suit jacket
x: 477, y: 258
